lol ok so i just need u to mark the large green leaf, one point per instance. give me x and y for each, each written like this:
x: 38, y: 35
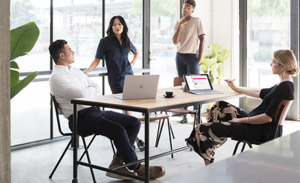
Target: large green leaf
x: 17, y: 88
x: 203, y: 68
x: 22, y: 39
x: 14, y: 65
x: 214, y: 49
x: 14, y: 78
x: 220, y: 68
x: 223, y: 55
x: 211, y: 62
x: 214, y: 68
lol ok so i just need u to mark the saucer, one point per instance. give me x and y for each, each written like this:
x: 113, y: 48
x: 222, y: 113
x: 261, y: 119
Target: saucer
x: 170, y: 96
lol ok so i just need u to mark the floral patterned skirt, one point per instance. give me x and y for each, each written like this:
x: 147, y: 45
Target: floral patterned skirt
x: 207, y: 137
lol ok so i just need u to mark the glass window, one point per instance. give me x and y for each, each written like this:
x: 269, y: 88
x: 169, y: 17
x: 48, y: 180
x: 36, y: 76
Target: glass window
x: 80, y: 24
x: 163, y: 51
x: 22, y: 12
x: 268, y: 30
x: 30, y: 114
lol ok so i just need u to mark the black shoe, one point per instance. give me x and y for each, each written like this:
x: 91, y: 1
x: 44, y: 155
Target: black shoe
x: 183, y: 120
x: 141, y: 145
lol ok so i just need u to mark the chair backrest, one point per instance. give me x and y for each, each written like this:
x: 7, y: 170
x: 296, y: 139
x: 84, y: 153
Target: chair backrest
x: 281, y: 113
x: 178, y: 81
x: 58, y: 112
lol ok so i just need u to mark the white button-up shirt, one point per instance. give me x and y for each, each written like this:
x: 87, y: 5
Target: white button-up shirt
x: 66, y: 84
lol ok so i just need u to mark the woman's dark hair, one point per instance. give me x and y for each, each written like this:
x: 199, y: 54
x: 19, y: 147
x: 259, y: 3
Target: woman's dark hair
x: 56, y: 48
x: 110, y: 33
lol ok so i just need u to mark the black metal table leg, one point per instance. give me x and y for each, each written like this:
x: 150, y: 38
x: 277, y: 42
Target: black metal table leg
x: 147, y: 177
x: 75, y: 180
x: 199, y: 114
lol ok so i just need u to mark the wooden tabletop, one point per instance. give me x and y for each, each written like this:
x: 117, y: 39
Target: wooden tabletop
x: 160, y: 101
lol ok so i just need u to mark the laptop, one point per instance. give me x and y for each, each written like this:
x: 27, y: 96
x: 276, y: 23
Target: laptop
x: 139, y: 87
x: 199, y: 84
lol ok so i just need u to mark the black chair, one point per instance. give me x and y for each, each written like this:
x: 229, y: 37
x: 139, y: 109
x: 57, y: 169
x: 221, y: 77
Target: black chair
x: 281, y: 113
x: 82, y: 135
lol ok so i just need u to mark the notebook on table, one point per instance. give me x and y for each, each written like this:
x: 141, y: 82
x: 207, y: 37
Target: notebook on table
x: 199, y: 84
x: 139, y: 87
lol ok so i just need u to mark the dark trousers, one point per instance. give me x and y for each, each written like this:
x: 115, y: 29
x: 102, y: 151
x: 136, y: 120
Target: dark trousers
x: 207, y: 137
x: 187, y: 64
x: 120, y: 128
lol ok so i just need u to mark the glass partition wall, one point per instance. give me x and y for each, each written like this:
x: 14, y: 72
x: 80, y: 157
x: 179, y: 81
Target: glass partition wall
x: 266, y: 26
x: 163, y: 51
x: 82, y: 24
x: 268, y: 30
x: 30, y: 109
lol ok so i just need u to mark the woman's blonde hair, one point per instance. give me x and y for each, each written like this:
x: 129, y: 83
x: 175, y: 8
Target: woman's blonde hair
x: 288, y: 60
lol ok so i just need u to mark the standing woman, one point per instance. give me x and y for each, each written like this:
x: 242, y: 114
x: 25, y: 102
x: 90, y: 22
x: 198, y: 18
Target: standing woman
x: 115, y: 48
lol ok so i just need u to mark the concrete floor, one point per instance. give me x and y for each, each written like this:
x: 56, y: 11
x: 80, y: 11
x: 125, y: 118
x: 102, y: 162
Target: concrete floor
x: 33, y: 165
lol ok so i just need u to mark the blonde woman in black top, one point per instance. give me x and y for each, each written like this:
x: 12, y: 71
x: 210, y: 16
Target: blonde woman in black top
x: 256, y: 125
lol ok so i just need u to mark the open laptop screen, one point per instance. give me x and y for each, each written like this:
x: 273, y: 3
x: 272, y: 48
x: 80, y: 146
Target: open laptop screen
x: 198, y: 82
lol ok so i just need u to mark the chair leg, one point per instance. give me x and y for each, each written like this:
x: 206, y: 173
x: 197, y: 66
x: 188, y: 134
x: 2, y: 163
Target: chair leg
x: 172, y: 130
x: 236, y: 147
x: 195, y: 120
x: 243, y: 147
x: 159, y: 133
x: 112, y: 146
x: 88, y: 158
x: 61, y: 157
x: 87, y: 148
x: 169, y: 129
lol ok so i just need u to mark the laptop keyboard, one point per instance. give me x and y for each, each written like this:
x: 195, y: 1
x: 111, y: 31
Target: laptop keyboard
x: 204, y: 92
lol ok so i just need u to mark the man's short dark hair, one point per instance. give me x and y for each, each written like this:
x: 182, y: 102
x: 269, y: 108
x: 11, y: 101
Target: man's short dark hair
x: 56, y: 48
x: 191, y: 2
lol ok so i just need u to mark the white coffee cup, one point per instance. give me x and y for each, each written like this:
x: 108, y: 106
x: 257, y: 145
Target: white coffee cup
x: 183, y: 84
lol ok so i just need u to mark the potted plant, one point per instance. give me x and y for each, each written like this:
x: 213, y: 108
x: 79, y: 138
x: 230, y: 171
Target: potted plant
x: 22, y: 40
x: 214, y: 62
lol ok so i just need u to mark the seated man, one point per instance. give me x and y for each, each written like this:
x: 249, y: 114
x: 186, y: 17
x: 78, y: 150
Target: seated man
x: 66, y: 83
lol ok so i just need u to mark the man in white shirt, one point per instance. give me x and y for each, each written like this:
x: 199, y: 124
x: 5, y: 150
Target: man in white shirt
x: 188, y: 31
x: 67, y: 82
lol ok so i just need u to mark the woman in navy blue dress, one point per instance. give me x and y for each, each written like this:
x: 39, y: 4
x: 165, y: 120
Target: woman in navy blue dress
x: 115, y: 49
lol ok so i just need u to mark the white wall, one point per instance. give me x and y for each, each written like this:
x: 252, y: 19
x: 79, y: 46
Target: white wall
x: 220, y: 19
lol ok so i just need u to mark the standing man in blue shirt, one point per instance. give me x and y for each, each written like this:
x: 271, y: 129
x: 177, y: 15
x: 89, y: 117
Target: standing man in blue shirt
x: 188, y: 31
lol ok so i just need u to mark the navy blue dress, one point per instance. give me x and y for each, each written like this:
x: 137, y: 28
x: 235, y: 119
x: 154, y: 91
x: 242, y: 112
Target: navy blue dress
x: 116, y: 57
